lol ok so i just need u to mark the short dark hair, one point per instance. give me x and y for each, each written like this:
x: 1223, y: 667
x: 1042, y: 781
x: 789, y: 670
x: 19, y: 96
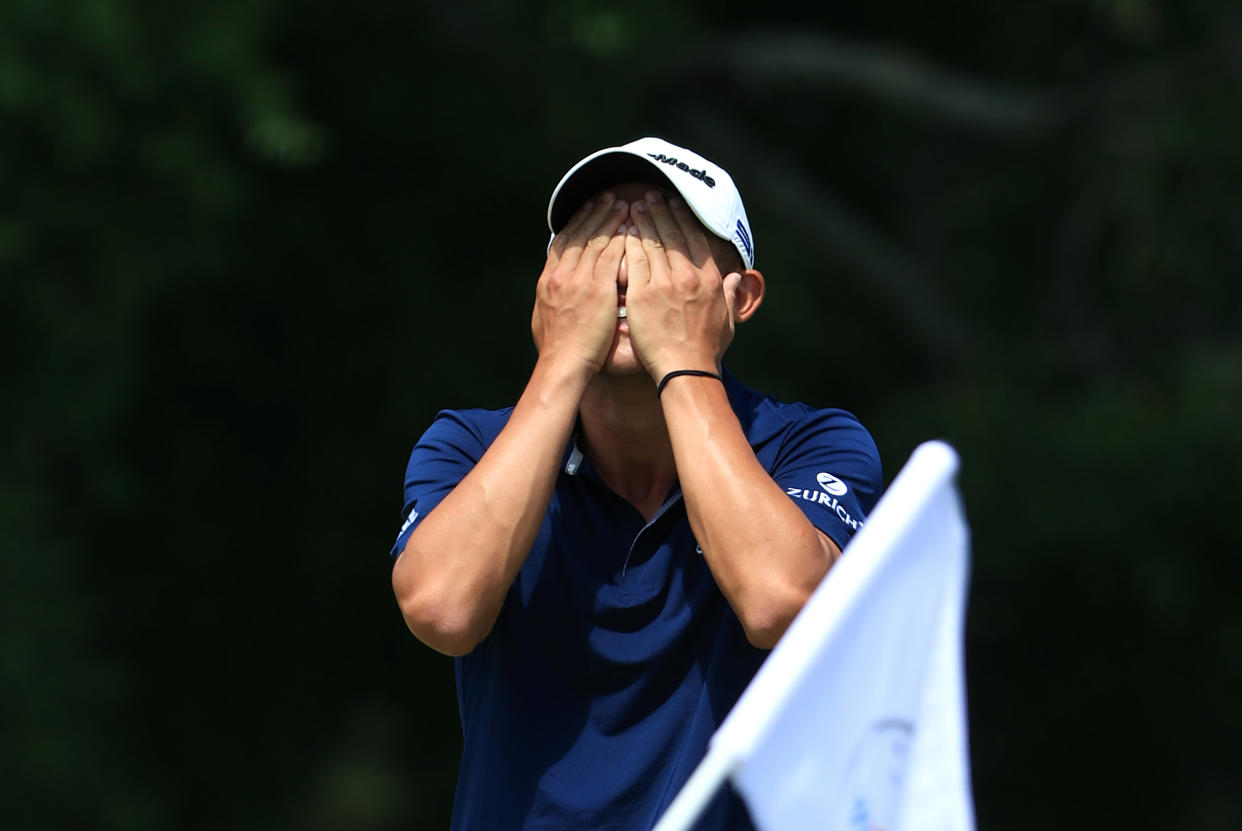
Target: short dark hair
x: 725, y: 254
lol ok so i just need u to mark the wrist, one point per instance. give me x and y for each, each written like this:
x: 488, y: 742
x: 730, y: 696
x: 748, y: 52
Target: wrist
x: 563, y: 374
x: 686, y: 373
x: 660, y: 368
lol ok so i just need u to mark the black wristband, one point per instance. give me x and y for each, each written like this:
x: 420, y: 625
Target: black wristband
x: 699, y: 372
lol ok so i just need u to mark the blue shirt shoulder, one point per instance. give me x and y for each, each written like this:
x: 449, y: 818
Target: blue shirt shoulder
x: 445, y: 453
x: 824, y: 459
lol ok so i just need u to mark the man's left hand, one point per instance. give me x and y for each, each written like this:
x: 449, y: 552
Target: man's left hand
x: 679, y: 308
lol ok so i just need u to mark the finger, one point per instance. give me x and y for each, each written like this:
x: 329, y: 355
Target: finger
x: 608, y: 265
x: 609, y: 228
x: 637, y: 262
x: 670, y: 233
x: 562, y: 237
x: 692, y: 231
x: 645, y: 233
x: 592, y: 234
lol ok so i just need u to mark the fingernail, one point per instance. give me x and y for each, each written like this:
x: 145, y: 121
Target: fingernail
x: 640, y: 206
x: 633, y: 232
x: 606, y: 197
x: 676, y: 202
x: 619, y: 205
x: 654, y: 197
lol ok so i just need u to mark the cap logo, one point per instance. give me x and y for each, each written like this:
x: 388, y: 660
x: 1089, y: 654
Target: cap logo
x: 701, y: 175
x: 745, y: 238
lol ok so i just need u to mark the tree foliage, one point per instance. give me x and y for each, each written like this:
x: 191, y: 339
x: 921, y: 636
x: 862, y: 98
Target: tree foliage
x: 249, y: 248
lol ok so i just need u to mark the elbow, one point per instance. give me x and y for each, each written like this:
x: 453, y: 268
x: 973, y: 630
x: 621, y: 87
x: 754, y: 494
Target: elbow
x: 447, y: 634
x: 774, y: 604
x: 447, y: 625
x: 763, y: 638
x: 764, y: 633
x: 765, y: 623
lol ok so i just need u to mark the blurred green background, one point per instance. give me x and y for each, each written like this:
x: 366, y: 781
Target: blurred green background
x: 249, y: 247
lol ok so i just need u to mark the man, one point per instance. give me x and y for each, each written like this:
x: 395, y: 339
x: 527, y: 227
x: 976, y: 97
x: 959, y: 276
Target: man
x: 610, y: 559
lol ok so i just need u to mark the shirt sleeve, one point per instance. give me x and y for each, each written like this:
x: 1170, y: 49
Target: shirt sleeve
x: 439, y: 461
x: 830, y: 467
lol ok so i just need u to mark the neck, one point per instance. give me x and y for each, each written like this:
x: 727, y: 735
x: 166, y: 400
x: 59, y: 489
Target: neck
x: 624, y: 436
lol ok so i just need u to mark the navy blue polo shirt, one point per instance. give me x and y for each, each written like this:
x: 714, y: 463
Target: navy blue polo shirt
x: 615, y: 657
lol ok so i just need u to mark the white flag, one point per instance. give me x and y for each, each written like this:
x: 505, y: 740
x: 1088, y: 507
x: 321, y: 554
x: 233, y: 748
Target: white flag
x: 856, y: 721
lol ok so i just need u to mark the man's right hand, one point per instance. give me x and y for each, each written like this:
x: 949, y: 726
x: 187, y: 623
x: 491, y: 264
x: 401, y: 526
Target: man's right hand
x: 575, y: 314
x: 457, y: 566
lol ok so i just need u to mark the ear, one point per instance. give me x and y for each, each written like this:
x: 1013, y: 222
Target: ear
x: 749, y: 295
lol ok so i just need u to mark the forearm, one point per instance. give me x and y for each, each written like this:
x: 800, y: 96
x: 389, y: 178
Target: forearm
x: 764, y: 554
x: 451, y: 579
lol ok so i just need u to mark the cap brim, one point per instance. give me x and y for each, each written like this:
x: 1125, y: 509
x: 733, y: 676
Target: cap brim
x: 610, y: 168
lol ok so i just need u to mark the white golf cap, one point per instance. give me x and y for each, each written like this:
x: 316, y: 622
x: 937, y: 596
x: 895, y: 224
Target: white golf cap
x: 708, y: 190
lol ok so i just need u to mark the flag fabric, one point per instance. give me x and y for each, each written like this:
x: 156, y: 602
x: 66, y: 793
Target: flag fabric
x: 856, y: 721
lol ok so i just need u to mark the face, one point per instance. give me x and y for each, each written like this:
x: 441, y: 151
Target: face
x: 621, y: 359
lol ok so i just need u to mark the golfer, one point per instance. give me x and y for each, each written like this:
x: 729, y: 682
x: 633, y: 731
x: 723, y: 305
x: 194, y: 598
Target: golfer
x: 610, y: 559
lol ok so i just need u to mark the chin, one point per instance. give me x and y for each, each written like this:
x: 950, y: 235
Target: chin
x: 619, y: 367
x: 621, y: 360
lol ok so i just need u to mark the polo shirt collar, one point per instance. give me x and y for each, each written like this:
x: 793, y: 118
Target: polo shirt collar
x: 572, y: 463
x: 742, y: 399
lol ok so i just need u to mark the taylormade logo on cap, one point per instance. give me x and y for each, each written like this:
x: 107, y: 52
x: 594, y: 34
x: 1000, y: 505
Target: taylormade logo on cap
x: 698, y: 174
x: 707, y: 189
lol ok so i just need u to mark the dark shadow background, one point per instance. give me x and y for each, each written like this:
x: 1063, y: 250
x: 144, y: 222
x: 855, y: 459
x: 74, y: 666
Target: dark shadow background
x: 247, y: 250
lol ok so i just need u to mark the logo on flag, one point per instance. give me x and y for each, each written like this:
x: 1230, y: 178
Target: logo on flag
x: 871, y: 790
